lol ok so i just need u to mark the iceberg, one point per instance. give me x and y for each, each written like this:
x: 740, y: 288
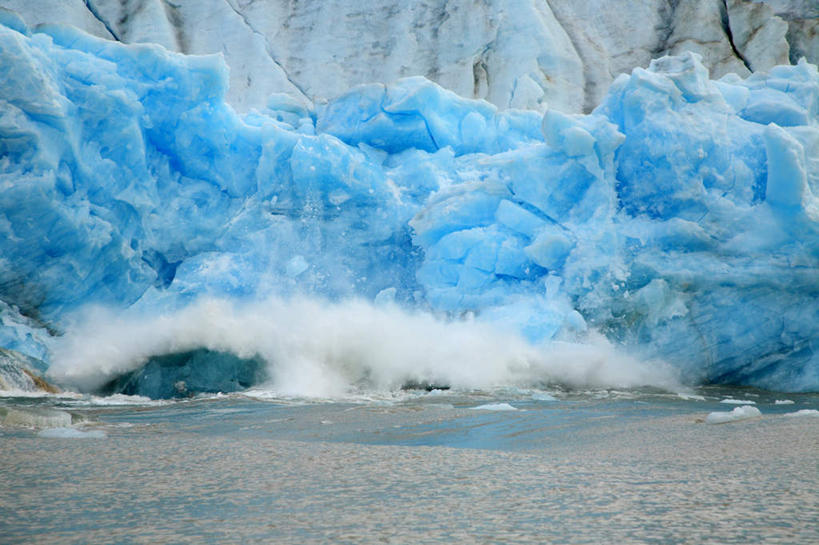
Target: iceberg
x: 679, y: 219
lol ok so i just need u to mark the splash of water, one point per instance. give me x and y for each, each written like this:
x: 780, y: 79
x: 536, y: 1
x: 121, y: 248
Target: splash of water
x: 316, y: 348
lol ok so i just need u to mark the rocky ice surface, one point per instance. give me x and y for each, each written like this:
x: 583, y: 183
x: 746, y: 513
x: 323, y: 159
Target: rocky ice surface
x: 529, y: 54
x: 22, y: 373
x: 679, y: 218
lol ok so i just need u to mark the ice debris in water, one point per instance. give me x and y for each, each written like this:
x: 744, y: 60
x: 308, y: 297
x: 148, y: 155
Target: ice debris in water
x: 495, y: 407
x: 783, y: 402
x: 739, y: 413
x: 731, y: 401
x: 679, y: 218
x: 810, y: 413
x: 34, y: 417
x: 71, y: 433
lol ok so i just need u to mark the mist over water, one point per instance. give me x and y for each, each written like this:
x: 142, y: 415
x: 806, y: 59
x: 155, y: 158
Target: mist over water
x: 316, y: 348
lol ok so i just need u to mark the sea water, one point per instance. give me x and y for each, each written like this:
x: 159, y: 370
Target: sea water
x: 507, y: 465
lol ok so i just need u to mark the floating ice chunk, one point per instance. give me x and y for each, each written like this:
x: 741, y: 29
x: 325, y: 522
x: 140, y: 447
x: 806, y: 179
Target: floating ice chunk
x: 121, y: 399
x: 810, y: 413
x: 34, y: 418
x: 784, y: 402
x: 690, y: 397
x: 731, y: 401
x: 495, y: 407
x: 740, y: 413
x: 71, y: 433
x: 543, y: 396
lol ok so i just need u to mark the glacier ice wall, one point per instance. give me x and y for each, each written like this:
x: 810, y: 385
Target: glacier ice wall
x: 679, y: 218
x: 513, y: 53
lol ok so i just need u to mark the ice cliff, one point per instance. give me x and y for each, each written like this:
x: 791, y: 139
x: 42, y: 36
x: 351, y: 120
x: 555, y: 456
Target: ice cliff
x: 530, y: 54
x: 679, y: 218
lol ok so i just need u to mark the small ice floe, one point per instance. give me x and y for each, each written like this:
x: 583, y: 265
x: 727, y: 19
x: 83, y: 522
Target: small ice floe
x: 690, y: 397
x: 495, y: 407
x: 543, y: 396
x: 783, y: 402
x: 34, y: 417
x: 740, y: 413
x: 71, y: 433
x: 810, y: 413
x: 731, y: 401
x: 122, y: 399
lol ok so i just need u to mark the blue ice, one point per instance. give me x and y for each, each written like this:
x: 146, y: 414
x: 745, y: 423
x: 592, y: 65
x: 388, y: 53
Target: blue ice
x: 679, y: 218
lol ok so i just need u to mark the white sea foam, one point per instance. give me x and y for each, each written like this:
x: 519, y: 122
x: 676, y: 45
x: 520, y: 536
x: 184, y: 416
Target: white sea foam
x: 317, y: 348
x: 740, y: 413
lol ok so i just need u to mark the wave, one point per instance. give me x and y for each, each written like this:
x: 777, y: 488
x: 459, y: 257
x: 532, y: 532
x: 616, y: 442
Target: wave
x: 316, y: 348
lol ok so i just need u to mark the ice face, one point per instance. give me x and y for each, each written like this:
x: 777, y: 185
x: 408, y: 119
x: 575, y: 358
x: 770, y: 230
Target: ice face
x: 528, y: 54
x: 678, y: 219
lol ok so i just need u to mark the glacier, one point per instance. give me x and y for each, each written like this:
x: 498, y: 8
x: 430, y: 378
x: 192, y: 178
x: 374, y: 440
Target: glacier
x: 678, y: 219
x: 529, y: 54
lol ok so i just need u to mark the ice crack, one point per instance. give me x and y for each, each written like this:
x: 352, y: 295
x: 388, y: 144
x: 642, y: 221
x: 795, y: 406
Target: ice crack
x: 93, y: 11
x: 726, y: 26
x: 268, y: 48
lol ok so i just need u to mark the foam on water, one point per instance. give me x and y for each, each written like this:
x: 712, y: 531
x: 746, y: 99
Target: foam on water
x: 316, y: 348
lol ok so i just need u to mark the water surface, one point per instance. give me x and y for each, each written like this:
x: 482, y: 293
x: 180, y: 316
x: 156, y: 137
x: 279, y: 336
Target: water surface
x: 510, y: 466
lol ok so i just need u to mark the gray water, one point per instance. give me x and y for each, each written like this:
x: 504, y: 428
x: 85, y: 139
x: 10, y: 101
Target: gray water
x: 588, y: 467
